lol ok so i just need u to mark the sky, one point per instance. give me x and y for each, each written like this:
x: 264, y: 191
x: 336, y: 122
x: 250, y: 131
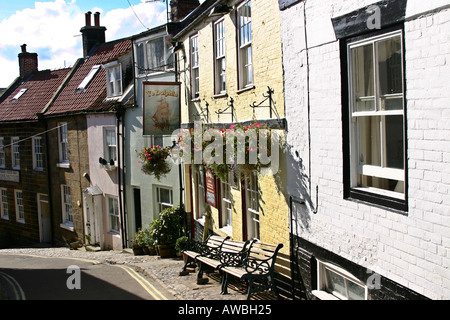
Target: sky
x: 52, y: 28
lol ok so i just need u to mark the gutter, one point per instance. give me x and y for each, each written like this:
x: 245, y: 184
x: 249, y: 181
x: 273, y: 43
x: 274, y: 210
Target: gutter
x: 200, y: 15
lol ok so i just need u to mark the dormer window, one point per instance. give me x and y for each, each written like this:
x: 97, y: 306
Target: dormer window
x: 18, y: 95
x: 114, y: 81
x: 154, y: 55
x: 83, y: 85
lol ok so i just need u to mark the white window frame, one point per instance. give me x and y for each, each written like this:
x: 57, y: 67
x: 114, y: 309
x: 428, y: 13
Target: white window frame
x: 143, y: 64
x: 195, y: 72
x: 20, y: 211
x: 227, y: 205
x: 114, y: 81
x: 110, y: 148
x: 4, y: 203
x: 38, y: 154
x: 252, y: 206
x: 87, y: 80
x: 18, y: 94
x: 358, y: 168
x: 245, y: 52
x: 2, y: 153
x: 324, y: 292
x: 63, y: 144
x: 161, y: 205
x: 113, y: 213
x: 220, y: 57
x: 15, y: 153
x: 201, y: 192
x: 66, y: 207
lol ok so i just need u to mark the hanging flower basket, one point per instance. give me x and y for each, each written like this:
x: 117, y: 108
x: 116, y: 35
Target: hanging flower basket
x: 154, y: 161
x: 250, y: 148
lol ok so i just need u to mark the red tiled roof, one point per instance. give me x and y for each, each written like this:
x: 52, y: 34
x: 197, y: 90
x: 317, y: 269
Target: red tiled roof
x: 40, y: 89
x: 92, y: 99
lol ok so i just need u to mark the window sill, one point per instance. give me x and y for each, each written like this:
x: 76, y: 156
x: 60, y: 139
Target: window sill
x: 220, y: 95
x: 64, y: 165
x: 5, y: 217
x: 375, y: 199
x: 323, y: 295
x: 16, y: 168
x: 248, y: 88
x: 108, y: 167
x: 21, y: 221
x: 114, y: 233
x: 39, y: 169
x: 67, y: 226
x: 227, y: 230
x: 196, y: 99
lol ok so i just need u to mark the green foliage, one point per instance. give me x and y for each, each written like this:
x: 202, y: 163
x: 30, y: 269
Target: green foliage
x: 168, y: 227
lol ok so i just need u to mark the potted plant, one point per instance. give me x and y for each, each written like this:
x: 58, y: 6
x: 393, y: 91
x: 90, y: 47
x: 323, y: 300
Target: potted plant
x: 153, y: 160
x: 167, y: 229
x: 181, y: 244
x: 138, y: 243
x: 149, y: 242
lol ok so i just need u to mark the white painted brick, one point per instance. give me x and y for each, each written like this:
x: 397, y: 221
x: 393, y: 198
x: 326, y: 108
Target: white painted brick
x: 411, y: 250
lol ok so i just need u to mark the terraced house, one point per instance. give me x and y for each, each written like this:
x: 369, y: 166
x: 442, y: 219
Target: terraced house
x: 25, y: 214
x: 368, y: 147
x: 229, y: 64
x: 86, y: 170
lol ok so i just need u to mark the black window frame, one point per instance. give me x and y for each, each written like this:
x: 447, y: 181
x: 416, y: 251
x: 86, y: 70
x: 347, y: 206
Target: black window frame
x: 350, y: 193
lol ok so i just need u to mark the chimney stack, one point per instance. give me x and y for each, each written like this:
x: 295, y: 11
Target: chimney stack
x: 179, y: 9
x: 92, y: 35
x: 28, y: 62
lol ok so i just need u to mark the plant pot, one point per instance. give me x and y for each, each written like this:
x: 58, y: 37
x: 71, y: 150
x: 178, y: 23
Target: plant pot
x: 152, y: 251
x: 146, y: 250
x: 138, y: 250
x: 166, y: 251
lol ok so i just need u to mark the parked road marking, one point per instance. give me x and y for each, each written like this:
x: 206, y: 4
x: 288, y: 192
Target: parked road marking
x: 144, y: 283
x: 14, y: 285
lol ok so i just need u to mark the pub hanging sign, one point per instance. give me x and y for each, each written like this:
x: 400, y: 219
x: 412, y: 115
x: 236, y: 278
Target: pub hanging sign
x: 210, y: 181
x: 161, y: 107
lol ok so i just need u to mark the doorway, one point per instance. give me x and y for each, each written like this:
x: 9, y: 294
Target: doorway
x: 45, y: 230
x: 137, y: 208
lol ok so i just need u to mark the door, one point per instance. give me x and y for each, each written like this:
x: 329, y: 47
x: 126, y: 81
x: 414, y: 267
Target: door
x: 90, y: 227
x: 137, y: 208
x: 44, y: 218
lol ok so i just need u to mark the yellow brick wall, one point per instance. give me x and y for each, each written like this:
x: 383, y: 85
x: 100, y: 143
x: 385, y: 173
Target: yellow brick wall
x: 267, y: 71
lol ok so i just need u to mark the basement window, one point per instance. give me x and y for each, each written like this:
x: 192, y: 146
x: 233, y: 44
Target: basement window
x: 335, y: 283
x: 83, y: 85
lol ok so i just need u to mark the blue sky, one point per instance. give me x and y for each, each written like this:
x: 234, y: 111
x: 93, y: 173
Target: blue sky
x: 51, y: 28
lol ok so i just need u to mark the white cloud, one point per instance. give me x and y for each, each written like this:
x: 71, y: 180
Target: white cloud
x: 52, y: 30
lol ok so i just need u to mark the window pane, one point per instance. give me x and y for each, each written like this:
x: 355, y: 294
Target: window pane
x: 164, y: 195
x: 390, y: 81
x: 394, y: 142
x: 369, y: 140
x: 335, y: 283
x: 355, y: 291
x: 362, y: 75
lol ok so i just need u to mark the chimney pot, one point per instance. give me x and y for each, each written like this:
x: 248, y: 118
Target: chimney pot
x: 24, y: 48
x: 87, y: 16
x: 97, y: 19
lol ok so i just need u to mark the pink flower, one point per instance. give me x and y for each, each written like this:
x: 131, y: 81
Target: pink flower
x: 232, y: 127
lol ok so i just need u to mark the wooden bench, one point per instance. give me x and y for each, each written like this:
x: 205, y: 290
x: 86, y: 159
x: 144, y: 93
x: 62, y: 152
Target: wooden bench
x: 196, y: 248
x: 216, y: 258
x: 256, y: 268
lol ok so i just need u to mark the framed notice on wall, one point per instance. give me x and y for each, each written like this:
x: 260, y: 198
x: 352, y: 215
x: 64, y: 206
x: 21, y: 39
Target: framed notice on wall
x: 161, y: 107
x: 210, y: 182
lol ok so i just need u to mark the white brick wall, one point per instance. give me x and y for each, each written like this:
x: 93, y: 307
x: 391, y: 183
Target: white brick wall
x: 411, y: 249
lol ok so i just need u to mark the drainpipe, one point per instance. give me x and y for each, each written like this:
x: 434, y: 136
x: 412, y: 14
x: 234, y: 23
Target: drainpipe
x: 120, y: 112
